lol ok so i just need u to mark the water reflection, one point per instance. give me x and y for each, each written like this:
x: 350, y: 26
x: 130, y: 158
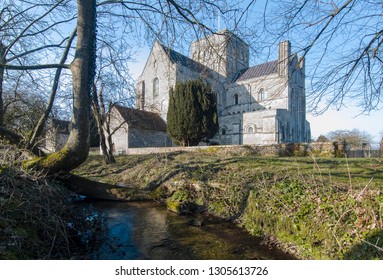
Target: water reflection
x: 145, y: 230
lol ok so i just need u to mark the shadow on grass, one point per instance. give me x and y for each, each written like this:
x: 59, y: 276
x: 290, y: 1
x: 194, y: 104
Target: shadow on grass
x: 369, y: 249
x: 190, y: 168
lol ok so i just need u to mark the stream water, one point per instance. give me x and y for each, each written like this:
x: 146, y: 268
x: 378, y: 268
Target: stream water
x: 145, y: 230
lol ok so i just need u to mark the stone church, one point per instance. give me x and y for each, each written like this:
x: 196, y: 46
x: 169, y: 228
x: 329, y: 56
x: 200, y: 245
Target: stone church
x: 261, y: 104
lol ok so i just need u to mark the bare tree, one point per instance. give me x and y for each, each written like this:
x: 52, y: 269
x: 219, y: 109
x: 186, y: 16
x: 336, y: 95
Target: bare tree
x: 82, y: 68
x: 27, y: 35
x: 343, y: 41
x: 353, y: 137
x: 146, y: 18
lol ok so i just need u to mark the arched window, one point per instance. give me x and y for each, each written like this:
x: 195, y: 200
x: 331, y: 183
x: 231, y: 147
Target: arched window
x: 223, y: 130
x: 156, y: 87
x: 163, y: 104
x: 142, y: 101
x: 283, y: 133
x: 250, y: 129
x: 205, y: 54
x: 217, y: 98
x: 262, y: 95
x: 236, y: 99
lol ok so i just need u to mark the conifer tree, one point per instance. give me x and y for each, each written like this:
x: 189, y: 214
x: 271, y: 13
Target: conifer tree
x: 192, y: 113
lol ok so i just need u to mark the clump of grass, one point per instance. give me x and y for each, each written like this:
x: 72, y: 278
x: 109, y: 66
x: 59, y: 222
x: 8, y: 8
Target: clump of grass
x: 37, y: 221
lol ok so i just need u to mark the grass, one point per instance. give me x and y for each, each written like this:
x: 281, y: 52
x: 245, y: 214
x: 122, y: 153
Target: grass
x: 317, y: 208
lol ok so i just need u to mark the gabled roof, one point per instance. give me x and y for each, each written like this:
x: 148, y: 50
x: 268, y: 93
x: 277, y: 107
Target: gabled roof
x: 141, y: 119
x: 259, y: 70
x: 176, y: 57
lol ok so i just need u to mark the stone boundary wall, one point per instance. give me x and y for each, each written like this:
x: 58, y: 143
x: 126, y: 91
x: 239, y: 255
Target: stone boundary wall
x: 325, y: 149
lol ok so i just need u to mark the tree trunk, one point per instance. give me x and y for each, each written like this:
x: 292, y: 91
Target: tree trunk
x: 76, y: 149
x: 2, y: 59
x: 110, y: 145
x: 99, y: 190
x: 109, y: 159
x: 1, y: 96
x: 100, y: 121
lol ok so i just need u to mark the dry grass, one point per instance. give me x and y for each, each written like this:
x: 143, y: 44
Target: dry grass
x: 36, y: 219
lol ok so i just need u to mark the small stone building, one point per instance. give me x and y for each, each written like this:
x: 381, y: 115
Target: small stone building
x: 136, y: 128
x: 56, y: 135
x: 261, y: 104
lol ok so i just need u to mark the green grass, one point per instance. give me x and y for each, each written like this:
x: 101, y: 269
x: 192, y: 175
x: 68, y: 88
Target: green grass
x: 317, y: 208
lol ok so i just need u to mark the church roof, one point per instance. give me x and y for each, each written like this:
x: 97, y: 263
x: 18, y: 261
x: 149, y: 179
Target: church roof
x: 183, y: 60
x: 259, y: 70
x: 141, y: 119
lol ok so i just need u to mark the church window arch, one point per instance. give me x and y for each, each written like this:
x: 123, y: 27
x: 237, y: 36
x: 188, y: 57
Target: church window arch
x: 223, y: 130
x: 142, y: 98
x: 236, y: 99
x: 156, y: 87
x: 217, y: 97
x: 262, y: 94
x: 205, y: 54
x: 250, y: 129
x: 163, y: 104
x: 283, y: 133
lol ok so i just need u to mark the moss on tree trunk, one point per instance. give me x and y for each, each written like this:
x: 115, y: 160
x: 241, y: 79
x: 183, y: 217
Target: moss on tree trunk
x: 76, y: 149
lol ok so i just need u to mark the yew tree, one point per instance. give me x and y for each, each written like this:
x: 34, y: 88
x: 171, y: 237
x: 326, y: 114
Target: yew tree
x: 192, y: 113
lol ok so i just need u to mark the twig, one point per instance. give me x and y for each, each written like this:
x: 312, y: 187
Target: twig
x: 349, y: 173
x: 360, y: 194
x: 373, y: 245
x: 53, y: 241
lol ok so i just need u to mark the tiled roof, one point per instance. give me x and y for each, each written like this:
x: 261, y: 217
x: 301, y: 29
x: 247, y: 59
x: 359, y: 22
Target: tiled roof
x: 141, y: 119
x: 183, y: 60
x: 259, y: 70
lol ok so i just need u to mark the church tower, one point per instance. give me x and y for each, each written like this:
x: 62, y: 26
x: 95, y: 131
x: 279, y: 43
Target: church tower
x: 222, y: 52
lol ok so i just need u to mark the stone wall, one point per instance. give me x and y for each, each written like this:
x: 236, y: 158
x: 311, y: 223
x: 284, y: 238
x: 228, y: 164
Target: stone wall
x: 326, y: 149
x: 148, y: 138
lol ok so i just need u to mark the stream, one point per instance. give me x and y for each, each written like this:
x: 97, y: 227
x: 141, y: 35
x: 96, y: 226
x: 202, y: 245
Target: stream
x: 146, y: 230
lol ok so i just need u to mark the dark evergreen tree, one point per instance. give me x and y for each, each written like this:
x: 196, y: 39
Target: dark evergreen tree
x: 192, y: 113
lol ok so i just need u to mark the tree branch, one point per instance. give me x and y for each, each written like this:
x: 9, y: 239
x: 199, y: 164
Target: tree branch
x: 34, y: 67
x: 29, y: 26
x: 41, y: 123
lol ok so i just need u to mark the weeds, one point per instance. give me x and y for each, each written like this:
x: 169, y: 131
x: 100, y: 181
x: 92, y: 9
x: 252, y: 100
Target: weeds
x: 36, y: 219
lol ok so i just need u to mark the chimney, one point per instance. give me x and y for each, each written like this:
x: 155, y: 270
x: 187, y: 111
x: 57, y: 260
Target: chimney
x: 283, y: 58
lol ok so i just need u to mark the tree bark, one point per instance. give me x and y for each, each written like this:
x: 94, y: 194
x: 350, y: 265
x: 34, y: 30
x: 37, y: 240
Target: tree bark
x: 2, y: 51
x: 76, y: 149
x: 104, y: 191
x: 1, y: 96
x: 100, y: 120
